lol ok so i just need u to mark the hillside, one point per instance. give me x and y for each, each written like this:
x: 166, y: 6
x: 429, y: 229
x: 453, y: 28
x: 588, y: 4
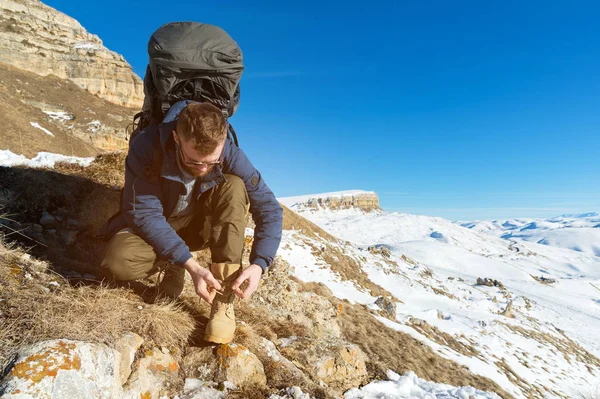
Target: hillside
x: 531, y: 327
x: 55, y: 115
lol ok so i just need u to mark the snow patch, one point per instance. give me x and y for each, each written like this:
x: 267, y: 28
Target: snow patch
x: 37, y: 126
x: 87, y: 46
x: 94, y: 126
x: 60, y: 116
x: 409, y: 386
x: 41, y: 160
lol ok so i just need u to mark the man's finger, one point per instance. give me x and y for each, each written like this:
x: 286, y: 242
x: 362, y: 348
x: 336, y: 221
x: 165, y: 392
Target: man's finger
x: 203, y: 292
x: 235, y: 287
x: 249, y: 290
x: 213, y: 282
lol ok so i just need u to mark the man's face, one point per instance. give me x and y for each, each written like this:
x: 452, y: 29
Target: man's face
x: 192, y: 161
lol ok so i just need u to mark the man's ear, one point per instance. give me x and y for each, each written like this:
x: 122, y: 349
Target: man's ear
x: 175, y: 136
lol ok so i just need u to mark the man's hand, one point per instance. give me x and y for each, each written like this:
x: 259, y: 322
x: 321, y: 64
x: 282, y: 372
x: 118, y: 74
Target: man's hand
x: 204, y: 282
x: 251, y: 274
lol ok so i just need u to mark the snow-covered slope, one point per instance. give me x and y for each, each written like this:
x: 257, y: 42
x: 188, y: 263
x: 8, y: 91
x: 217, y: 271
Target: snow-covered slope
x: 535, y: 333
x: 577, y: 232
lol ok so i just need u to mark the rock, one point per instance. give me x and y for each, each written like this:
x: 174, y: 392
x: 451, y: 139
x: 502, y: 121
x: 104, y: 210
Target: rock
x: 198, y: 389
x: 417, y: 322
x: 73, y: 223
x: 228, y: 362
x: 338, y: 364
x: 365, y: 201
x: 63, y: 369
x: 40, y: 39
x: 317, y: 313
x: 290, y: 393
x: 127, y: 346
x: 388, y: 307
x: 68, y: 236
x: 151, y: 373
x: 508, y: 311
x: 380, y: 249
x: 489, y: 282
x: 36, y: 228
x: 47, y: 220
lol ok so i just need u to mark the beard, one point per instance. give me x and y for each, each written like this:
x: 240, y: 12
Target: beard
x: 197, y: 173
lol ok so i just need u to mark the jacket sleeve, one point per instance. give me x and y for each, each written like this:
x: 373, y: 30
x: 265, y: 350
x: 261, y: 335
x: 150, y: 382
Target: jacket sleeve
x: 265, y: 209
x: 142, y: 206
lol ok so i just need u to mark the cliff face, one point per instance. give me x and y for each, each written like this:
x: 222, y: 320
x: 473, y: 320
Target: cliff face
x: 363, y: 200
x: 40, y: 39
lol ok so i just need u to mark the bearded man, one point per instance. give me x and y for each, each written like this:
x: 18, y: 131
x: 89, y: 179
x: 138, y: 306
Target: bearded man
x: 189, y: 187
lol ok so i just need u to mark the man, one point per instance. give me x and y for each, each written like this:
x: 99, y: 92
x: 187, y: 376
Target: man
x: 188, y: 187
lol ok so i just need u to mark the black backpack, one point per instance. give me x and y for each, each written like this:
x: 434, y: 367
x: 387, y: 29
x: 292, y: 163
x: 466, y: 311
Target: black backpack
x: 189, y: 61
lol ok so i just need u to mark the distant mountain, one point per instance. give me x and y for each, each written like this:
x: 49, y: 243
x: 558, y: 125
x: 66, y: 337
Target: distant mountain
x: 578, y: 232
x: 49, y: 114
x: 352, y: 199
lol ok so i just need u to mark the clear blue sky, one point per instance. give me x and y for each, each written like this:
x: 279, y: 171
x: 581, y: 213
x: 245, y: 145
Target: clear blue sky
x: 463, y: 109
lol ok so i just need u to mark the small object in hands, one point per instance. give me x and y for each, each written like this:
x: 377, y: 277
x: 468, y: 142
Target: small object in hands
x: 212, y: 289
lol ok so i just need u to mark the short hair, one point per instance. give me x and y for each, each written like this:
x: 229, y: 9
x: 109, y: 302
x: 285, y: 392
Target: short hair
x: 203, y: 124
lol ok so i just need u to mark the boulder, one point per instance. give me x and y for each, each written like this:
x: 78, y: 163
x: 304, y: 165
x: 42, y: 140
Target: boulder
x: 227, y: 362
x: 127, y: 347
x: 63, y: 369
x: 338, y: 364
x: 490, y: 282
x: 388, y: 307
x: 151, y: 374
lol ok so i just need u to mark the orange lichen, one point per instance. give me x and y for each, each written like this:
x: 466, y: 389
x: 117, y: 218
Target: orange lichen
x: 47, y: 363
x: 339, y: 310
x: 146, y: 395
x: 226, y: 351
x: 173, y: 367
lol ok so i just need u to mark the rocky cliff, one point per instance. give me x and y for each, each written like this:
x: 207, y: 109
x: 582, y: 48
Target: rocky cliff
x: 363, y: 200
x: 40, y: 39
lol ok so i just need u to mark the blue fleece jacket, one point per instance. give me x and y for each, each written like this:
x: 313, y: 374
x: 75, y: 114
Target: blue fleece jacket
x: 153, y: 183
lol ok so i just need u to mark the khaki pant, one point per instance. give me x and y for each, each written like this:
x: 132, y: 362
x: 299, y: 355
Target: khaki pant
x: 218, y: 222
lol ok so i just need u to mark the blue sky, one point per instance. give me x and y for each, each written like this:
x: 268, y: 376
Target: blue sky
x: 465, y: 109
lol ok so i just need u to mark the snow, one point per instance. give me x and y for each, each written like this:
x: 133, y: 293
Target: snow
x: 41, y: 160
x: 409, y: 386
x: 60, y: 116
x: 578, y: 232
x: 37, y: 126
x: 94, y: 126
x: 87, y: 46
x: 549, y: 318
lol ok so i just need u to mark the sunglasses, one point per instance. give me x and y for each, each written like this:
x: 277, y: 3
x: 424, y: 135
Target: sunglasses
x: 195, y: 163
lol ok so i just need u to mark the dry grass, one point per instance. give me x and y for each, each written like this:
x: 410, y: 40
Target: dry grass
x: 293, y: 221
x: 33, y: 310
x: 446, y: 339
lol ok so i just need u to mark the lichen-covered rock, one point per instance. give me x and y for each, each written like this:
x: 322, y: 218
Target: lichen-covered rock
x: 127, y: 346
x: 63, y: 369
x: 228, y: 362
x: 151, y: 374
